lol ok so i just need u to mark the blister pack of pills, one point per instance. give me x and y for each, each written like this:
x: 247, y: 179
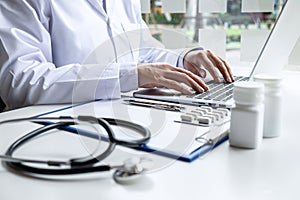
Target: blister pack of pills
x: 205, y: 116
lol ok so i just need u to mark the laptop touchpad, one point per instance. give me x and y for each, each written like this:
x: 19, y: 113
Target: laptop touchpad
x: 156, y: 92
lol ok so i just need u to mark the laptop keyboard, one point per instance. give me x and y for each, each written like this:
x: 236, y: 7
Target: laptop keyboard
x: 218, y: 91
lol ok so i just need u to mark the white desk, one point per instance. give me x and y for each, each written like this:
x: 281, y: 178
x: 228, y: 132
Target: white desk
x: 270, y: 172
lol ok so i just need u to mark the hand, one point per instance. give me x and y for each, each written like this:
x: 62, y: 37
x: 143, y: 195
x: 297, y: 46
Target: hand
x: 195, y: 61
x: 165, y: 75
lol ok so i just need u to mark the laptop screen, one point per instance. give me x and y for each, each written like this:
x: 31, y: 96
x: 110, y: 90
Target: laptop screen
x: 280, y: 42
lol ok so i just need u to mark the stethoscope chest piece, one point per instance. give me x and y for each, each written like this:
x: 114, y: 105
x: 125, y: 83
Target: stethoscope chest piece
x: 132, y: 170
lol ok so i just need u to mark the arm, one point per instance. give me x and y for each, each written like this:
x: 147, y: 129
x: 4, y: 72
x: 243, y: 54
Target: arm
x: 196, y: 60
x: 30, y: 74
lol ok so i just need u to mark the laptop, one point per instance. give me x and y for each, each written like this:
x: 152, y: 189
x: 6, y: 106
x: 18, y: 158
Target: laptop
x: 273, y: 56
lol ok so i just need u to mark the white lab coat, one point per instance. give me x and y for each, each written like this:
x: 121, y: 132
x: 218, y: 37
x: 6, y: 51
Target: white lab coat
x: 62, y: 51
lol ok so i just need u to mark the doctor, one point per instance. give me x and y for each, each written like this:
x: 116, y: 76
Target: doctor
x: 62, y: 51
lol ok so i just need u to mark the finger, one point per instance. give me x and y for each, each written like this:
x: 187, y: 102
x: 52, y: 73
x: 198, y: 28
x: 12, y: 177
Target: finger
x: 207, y: 63
x: 228, y: 68
x: 198, y: 70
x: 220, y: 65
x: 189, y: 75
x: 186, y: 79
x: 191, y: 67
x: 171, y: 84
x: 202, y: 72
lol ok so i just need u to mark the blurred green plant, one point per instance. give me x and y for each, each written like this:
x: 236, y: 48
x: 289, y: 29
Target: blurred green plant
x: 160, y: 18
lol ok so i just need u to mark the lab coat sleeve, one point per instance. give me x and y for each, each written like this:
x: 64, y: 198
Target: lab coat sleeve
x: 29, y: 76
x: 153, y: 51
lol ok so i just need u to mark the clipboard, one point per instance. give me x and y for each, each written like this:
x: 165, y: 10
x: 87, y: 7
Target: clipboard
x: 180, y: 141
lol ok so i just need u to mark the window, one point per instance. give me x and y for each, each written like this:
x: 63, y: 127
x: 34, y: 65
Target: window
x: 233, y: 29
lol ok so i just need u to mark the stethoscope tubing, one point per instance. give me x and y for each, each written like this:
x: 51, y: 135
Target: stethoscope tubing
x: 75, y: 165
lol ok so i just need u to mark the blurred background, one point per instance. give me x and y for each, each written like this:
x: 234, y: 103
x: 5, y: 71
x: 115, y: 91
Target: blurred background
x: 233, y: 29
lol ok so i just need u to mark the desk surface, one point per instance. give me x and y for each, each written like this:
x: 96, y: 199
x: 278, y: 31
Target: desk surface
x: 270, y: 172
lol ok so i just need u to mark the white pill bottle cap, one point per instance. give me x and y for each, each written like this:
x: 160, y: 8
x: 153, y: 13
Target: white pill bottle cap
x: 270, y: 81
x: 248, y: 93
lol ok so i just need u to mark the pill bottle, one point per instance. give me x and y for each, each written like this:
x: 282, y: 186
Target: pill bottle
x: 273, y: 104
x: 246, y: 123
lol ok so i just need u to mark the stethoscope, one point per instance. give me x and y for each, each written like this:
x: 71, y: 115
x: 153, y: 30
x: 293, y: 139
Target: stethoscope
x: 130, y: 170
